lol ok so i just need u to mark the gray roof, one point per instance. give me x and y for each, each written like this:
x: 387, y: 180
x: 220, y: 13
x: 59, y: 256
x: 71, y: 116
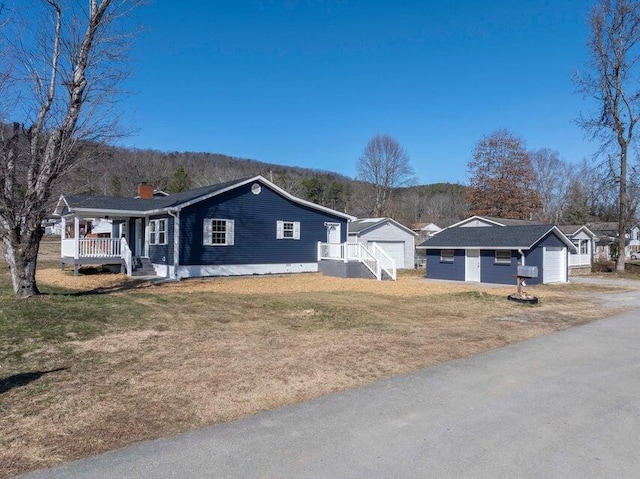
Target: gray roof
x: 571, y: 230
x: 362, y: 224
x: 511, y: 221
x: 140, y: 205
x: 511, y: 237
x: 109, y: 205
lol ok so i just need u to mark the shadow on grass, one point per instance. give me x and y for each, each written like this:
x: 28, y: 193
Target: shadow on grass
x: 118, y: 288
x: 22, y: 379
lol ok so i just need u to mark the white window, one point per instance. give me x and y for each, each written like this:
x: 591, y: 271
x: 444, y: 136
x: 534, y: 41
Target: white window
x: 217, y: 232
x: 503, y: 257
x: 158, y: 231
x: 576, y: 243
x: 123, y: 230
x: 584, y: 247
x: 446, y: 255
x: 288, y: 230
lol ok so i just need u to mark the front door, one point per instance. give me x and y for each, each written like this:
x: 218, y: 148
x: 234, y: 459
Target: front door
x: 472, y: 265
x: 139, y: 243
x: 333, y: 238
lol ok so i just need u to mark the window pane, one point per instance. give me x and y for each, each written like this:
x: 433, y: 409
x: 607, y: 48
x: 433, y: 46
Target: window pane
x: 218, y: 232
x: 446, y: 255
x: 287, y: 229
x: 503, y: 257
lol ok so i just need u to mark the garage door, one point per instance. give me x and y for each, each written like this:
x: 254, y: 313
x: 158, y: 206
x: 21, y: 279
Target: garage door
x: 395, y: 249
x: 555, y: 269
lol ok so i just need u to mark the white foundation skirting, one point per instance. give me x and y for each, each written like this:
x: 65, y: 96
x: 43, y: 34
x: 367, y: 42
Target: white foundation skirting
x: 198, y: 271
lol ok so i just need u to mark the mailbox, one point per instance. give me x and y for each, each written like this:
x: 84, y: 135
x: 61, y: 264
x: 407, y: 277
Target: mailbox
x: 527, y: 272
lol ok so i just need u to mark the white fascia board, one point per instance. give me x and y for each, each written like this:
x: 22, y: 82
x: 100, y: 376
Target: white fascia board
x: 60, y: 206
x: 88, y: 212
x: 476, y: 217
x: 279, y: 190
x: 588, y: 231
x: 560, y: 234
x: 387, y: 220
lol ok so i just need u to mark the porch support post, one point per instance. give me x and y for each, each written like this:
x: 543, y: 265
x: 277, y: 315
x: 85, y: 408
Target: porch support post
x: 76, y: 244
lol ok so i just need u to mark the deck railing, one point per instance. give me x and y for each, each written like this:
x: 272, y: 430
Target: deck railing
x: 92, y: 248
x: 386, y: 262
x: 375, y: 261
x: 579, y: 260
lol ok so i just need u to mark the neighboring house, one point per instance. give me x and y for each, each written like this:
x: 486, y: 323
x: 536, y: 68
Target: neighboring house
x: 488, y: 250
x: 425, y: 231
x: 606, y: 238
x: 248, y: 226
x: 634, y: 242
x: 396, y: 240
x: 584, y: 241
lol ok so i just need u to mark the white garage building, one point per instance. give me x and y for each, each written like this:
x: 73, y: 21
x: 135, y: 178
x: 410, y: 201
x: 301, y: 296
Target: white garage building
x: 396, y: 240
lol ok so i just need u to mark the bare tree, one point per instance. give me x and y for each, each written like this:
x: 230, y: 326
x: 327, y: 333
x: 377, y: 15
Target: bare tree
x: 612, y: 80
x: 551, y: 182
x: 64, y: 72
x: 385, y: 165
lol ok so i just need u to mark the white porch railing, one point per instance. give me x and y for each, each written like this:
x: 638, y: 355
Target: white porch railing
x: 92, y: 248
x: 385, y: 261
x: 579, y: 260
x: 375, y: 261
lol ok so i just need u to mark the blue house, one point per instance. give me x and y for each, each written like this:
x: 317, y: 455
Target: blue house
x: 479, y: 249
x: 247, y: 226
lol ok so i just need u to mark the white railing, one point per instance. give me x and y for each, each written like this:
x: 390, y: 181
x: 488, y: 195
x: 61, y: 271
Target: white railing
x: 364, y: 256
x: 579, y: 260
x: 99, y: 247
x: 127, y: 256
x: 92, y: 248
x: 375, y: 261
x: 385, y: 261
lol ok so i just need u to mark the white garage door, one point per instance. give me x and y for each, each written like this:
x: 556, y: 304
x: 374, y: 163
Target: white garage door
x: 555, y: 269
x: 395, y: 249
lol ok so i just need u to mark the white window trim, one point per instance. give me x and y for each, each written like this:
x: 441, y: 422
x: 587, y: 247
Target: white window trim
x: 154, y: 236
x: 207, y: 232
x: 502, y: 260
x: 447, y: 258
x: 280, y: 230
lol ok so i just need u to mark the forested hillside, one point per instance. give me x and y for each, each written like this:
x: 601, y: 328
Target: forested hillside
x: 117, y: 172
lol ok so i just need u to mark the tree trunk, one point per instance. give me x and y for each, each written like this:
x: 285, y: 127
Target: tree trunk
x: 21, y: 255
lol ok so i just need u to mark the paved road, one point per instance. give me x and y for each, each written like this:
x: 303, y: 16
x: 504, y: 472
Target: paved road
x: 561, y: 406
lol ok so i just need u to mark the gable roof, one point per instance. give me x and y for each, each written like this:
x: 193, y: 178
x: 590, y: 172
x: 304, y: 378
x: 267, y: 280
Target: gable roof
x: 507, y: 237
x: 160, y: 204
x: 495, y: 221
x: 572, y: 230
x: 362, y: 225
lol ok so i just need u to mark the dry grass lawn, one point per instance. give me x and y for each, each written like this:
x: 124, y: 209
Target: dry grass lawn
x: 145, y: 360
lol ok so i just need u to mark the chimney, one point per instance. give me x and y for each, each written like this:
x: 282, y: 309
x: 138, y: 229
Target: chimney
x: 145, y: 191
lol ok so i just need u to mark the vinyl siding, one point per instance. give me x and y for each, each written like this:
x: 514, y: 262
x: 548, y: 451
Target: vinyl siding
x: 534, y: 257
x: 490, y: 272
x: 437, y: 269
x: 163, y: 254
x: 255, y: 218
x: 388, y: 232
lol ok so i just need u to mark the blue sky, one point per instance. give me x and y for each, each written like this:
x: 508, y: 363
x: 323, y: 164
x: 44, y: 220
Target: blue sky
x: 308, y: 83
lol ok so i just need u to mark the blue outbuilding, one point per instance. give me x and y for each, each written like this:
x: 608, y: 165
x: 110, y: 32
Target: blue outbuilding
x: 487, y: 252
